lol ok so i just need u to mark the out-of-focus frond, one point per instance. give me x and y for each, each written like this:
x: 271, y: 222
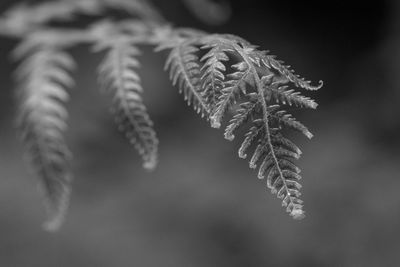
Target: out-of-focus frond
x: 43, y: 79
x: 118, y: 75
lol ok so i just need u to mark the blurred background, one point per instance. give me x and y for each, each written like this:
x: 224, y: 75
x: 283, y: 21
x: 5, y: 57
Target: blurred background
x: 203, y: 206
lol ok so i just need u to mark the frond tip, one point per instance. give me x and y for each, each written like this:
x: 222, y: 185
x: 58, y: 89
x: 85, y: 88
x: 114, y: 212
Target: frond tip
x: 297, y: 214
x: 43, y: 77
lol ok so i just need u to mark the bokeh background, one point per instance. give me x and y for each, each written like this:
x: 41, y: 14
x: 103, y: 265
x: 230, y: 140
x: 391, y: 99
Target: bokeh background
x: 203, y: 206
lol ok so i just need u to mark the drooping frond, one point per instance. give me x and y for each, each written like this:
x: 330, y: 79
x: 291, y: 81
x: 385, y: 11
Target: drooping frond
x: 275, y: 152
x: 236, y: 76
x: 118, y: 74
x: 254, y: 88
x: 185, y: 71
x: 43, y: 78
x: 275, y: 155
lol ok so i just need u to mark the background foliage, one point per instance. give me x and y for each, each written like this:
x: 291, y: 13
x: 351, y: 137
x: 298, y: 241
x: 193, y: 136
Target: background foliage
x: 198, y: 208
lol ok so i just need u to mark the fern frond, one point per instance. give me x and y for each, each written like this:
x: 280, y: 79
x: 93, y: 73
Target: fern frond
x: 255, y: 81
x: 184, y: 70
x: 275, y: 155
x: 280, y: 179
x: 118, y: 74
x: 43, y: 79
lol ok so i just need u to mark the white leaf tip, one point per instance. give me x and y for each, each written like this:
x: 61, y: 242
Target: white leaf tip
x: 229, y: 137
x: 309, y: 135
x: 150, y: 165
x: 297, y: 214
x: 215, y: 124
x: 53, y: 225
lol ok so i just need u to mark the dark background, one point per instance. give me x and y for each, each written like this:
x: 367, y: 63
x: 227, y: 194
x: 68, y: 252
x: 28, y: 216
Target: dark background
x: 203, y: 206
